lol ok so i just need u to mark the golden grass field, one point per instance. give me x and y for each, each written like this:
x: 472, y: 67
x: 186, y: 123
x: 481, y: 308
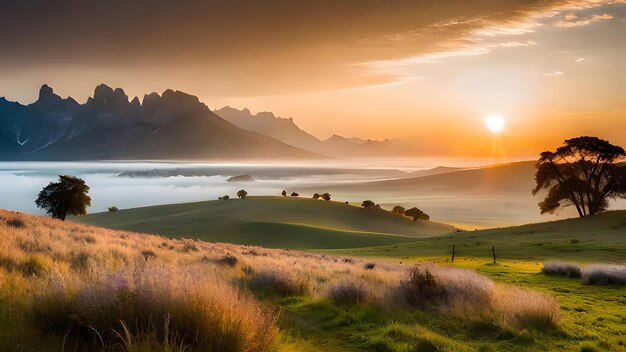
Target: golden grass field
x: 65, y: 286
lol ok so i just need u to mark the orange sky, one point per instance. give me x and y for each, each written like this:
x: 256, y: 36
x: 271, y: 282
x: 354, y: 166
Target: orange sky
x: 426, y: 72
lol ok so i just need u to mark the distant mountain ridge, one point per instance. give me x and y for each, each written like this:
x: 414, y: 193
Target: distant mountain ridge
x: 174, y: 125
x: 285, y: 130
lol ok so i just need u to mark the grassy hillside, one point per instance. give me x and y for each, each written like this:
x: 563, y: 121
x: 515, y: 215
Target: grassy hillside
x: 485, y: 197
x: 65, y: 286
x: 598, y: 238
x: 276, y: 222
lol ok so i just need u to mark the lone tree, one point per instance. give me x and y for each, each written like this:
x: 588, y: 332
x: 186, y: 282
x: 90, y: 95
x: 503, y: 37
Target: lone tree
x: 585, y: 173
x: 242, y: 193
x: 67, y: 196
x: 398, y: 210
x: 284, y: 193
x: 326, y: 196
x: 368, y: 204
x: 294, y: 194
x: 416, y: 214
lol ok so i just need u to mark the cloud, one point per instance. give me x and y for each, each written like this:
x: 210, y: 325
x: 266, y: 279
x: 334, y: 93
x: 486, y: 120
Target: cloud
x: 554, y: 74
x: 246, y: 47
x: 571, y: 19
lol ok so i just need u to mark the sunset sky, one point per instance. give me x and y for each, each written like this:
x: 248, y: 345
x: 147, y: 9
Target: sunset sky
x: 428, y: 72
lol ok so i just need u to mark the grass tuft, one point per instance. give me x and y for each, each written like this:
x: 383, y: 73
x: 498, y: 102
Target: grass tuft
x: 349, y: 292
x: 604, y: 274
x: 561, y: 269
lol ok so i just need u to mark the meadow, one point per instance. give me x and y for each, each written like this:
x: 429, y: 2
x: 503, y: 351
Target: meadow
x: 275, y: 222
x: 66, y: 286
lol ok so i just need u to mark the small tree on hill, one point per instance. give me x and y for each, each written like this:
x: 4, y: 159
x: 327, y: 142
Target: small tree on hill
x: 242, y: 194
x: 316, y: 196
x: 416, y: 214
x: 368, y: 204
x: 398, y: 210
x: 284, y: 193
x: 113, y: 209
x: 294, y: 194
x: 67, y: 196
x: 326, y: 196
x: 585, y: 172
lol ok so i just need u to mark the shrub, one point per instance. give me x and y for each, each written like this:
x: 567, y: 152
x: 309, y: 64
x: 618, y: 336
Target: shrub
x: 420, y: 288
x: 276, y: 283
x: 370, y: 266
x: 189, y: 246
x: 604, y: 274
x: 349, y: 292
x: 562, y: 269
x: 113, y: 209
x: 147, y: 254
x: 368, y: 204
x: 16, y: 223
x: 228, y: 260
x: 294, y: 194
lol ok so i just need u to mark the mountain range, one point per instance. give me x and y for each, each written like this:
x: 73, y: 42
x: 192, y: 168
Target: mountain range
x: 285, y: 130
x: 110, y: 126
x: 170, y: 126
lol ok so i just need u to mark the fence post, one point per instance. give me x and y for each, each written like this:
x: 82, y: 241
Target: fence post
x: 453, y: 253
x: 493, y: 251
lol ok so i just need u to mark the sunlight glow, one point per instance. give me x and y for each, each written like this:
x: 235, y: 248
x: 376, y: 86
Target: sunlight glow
x: 495, y: 123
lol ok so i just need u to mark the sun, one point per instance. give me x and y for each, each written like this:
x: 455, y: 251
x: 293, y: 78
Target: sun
x: 495, y: 123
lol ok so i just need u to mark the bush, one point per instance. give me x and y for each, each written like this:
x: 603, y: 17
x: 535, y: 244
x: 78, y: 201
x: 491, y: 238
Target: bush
x: 277, y: 283
x: 113, y: 209
x: 562, y: 269
x: 370, y: 266
x: 16, y: 223
x: 228, y: 260
x: 420, y: 288
x: 604, y: 274
x: 147, y: 254
x: 349, y: 292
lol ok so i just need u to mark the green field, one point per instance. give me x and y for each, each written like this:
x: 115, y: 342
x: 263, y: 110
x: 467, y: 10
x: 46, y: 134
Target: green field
x: 599, y: 238
x: 593, y: 317
x: 274, y: 222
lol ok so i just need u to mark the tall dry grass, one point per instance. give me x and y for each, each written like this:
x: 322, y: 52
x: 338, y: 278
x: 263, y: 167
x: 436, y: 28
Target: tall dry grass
x: 472, y: 297
x: 64, y: 284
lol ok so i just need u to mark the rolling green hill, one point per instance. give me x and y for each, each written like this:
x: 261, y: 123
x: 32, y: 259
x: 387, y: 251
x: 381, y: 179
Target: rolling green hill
x: 276, y: 222
x: 598, y: 238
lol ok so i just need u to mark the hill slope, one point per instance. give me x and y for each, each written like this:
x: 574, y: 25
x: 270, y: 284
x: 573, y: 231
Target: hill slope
x: 272, y: 222
x: 598, y: 238
x: 473, y: 198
